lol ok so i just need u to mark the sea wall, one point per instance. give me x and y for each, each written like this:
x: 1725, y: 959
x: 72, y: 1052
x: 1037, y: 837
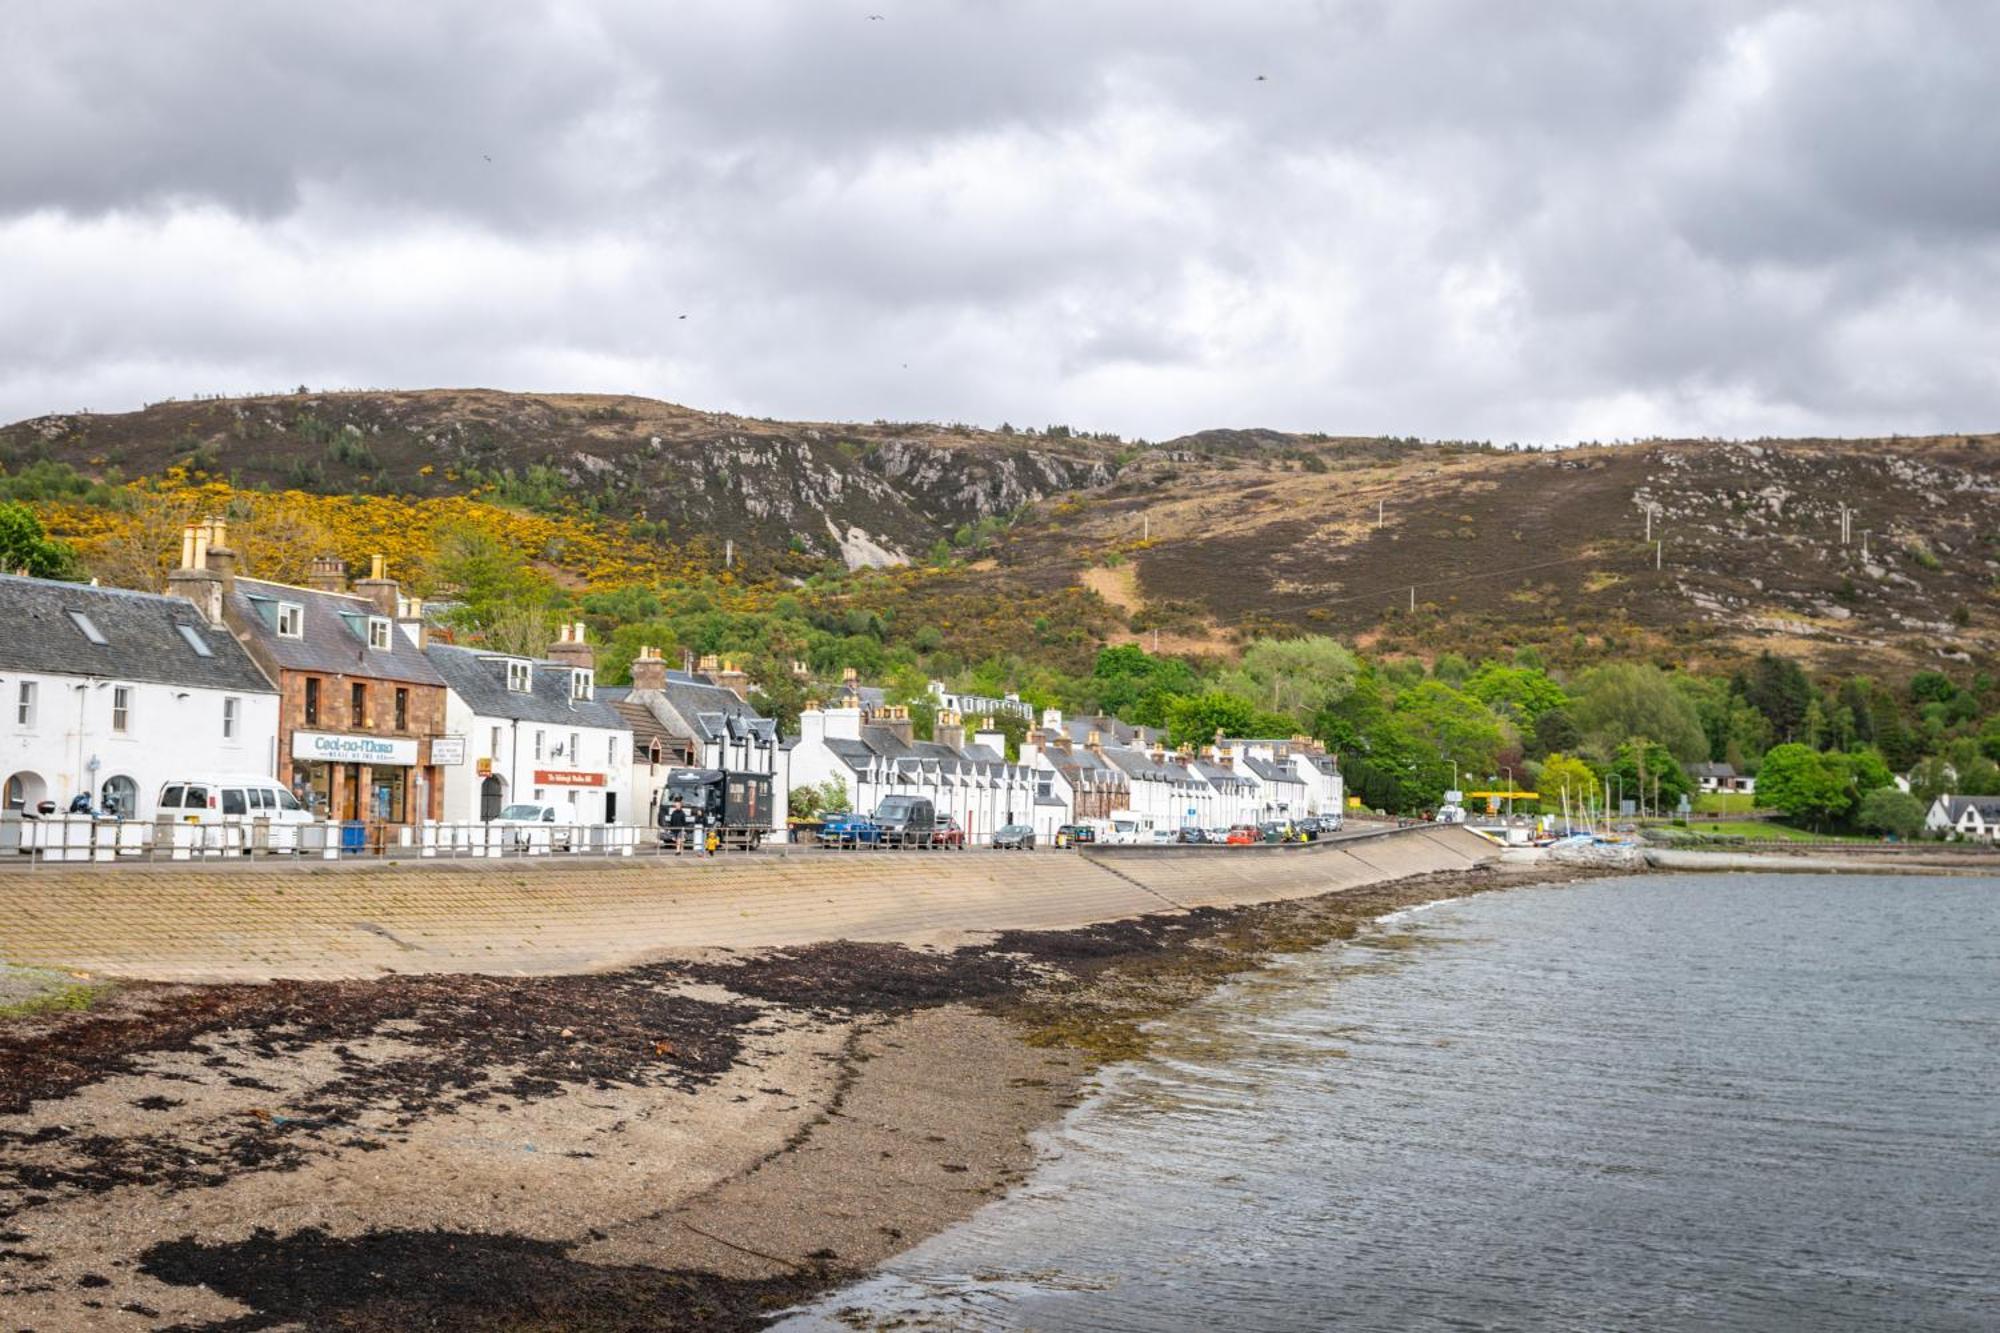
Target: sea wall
x: 557, y: 915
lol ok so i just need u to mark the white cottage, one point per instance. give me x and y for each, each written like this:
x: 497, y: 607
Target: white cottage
x: 1972, y: 817
x: 534, y: 730
x: 113, y: 694
x: 874, y: 753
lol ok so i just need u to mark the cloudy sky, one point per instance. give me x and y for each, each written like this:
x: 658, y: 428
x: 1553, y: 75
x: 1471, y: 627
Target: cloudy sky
x: 1542, y: 221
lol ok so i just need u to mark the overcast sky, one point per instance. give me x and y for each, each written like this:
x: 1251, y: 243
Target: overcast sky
x: 1541, y: 221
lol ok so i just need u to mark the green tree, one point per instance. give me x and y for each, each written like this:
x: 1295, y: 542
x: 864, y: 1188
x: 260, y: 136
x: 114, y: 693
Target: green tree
x: 1556, y: 732
x: 1455, y: 727
x: 1798, y: 782
x: 1776, y: 687
x: 1194, y: 719
x: 806, y: 801
x: 1621, y: 700
x: 1295, y: 677
x: 1520, y: 692
x: 26, y: 548
x: 1646, y: 771
x: 833, y: 799
x: 1888, y: 810
x: 1564, y: 774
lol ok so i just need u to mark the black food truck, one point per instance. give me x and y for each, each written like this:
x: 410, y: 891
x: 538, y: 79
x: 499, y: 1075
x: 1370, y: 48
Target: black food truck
x: 736, y: 807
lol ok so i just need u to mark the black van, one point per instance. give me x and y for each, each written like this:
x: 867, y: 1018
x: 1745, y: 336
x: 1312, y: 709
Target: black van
x: 906, y: 821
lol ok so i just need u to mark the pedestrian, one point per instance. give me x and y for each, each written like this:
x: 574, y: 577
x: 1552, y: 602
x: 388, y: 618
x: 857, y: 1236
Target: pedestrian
x: 678, y: 821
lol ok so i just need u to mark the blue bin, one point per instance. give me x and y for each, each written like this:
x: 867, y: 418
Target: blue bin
x: 354, y: 836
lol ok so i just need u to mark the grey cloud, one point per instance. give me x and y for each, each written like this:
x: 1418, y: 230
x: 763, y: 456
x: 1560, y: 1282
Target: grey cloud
x: 1429, y: 216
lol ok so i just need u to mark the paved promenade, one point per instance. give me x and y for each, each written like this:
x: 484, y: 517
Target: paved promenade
x: 562, y: 915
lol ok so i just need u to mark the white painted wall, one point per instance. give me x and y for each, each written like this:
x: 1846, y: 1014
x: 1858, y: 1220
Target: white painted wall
x: 172, y: 732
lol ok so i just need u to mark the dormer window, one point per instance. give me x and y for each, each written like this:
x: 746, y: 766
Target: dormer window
x: 291, y: 620
x: 379, y: 630
x: 87, y: 628
x: 582, y: 683
x: 520, y: 677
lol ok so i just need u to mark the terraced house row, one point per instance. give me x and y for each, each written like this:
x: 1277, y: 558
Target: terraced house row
x: 337, y: 700
x: 334, y: 694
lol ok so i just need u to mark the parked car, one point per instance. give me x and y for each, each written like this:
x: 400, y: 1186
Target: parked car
x: 527, y: 814
x: 227, y: 800
x: 1192, y: 836
x: 949, y: 835
x: 849, y: 830
x: 1075, y: 835
x: 906, y: 821
x: 1014, y: 837
x: 1243, y: 835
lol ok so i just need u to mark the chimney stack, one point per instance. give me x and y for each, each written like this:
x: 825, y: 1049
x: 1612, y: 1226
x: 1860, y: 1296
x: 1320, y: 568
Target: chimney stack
x: 194, y: 580
x: 221, y: 560
x: 410, y: 616
x: 895, y: 719
x: 573, y: 648
x: 379, y: 588
x: 733, y: 678
x: 649, y: 670
x: 949, y: 729
x: 327, y: 573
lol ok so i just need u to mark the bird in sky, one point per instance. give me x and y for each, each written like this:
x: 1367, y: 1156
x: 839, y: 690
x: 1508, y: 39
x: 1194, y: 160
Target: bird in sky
x: 683, y: 316
x: 875, y: 18
x: 487, y: 156
x: 1262, y: 79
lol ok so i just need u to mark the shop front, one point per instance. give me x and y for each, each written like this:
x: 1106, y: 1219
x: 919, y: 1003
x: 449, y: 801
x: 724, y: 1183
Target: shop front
x: 370, y: 779
x: 589, y: 799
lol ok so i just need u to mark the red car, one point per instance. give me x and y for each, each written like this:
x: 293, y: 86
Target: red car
x: 1244, y: 835
x: 949, y: 834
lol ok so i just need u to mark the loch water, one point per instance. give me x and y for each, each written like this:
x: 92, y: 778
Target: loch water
x: 1665, y: 1102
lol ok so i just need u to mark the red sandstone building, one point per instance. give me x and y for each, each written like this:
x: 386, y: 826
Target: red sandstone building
x: 359, y: 702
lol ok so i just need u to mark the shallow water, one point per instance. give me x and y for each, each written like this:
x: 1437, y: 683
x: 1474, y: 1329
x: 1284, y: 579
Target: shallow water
x: 1678, y: 1102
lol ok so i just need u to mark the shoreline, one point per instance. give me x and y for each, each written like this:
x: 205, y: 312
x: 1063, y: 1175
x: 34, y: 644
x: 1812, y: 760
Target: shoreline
x: 706, y: 1139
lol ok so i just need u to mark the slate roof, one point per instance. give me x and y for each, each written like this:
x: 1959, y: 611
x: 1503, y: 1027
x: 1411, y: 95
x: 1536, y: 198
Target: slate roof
x: 335, y: 640
x: 1713, y: 770
x: 142, y: 633
x: 1987, y: 806
x: 646, y: 728
x: 1218, y: 776
x: 1271, y: 772
x: 480, y: 679
x: 691, y: 707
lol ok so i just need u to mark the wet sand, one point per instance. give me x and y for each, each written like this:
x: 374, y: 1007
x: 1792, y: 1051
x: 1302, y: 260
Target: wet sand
x: 701, y: 1141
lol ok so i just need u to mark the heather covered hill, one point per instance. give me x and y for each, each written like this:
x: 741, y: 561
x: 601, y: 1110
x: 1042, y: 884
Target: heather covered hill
x: 1195, y: 544
x: 869, y: 494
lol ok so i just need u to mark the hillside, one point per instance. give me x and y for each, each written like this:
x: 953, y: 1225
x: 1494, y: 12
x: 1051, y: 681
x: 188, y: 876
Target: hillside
x: 1200, y: 541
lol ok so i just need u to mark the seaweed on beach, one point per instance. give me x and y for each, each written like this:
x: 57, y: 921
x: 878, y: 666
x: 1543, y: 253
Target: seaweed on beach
x: 390, y: 1281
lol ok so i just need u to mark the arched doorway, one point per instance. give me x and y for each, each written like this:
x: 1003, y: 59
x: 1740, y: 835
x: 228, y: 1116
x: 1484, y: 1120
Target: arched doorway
x: 24, y: 790
x: 492, y: 795
x: 120, y: 796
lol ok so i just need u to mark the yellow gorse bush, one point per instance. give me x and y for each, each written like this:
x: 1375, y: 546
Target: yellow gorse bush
x: 279, y: 532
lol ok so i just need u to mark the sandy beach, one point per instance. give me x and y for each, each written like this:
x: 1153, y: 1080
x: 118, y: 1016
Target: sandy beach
x: 700, y: 1141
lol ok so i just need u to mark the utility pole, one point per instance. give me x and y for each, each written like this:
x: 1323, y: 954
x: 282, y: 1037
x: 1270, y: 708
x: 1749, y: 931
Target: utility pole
x: 1145, y: 527
x: 1659, y: 553
x: 1864, y: 544
x: 1846, y: 524
x: 729, y: 553
x: 1413, y: 599
x: 1378, y: 513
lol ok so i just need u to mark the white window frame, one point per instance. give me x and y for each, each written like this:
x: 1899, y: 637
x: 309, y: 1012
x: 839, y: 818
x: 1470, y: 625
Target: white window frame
x: 520, y: 677
x: 232, y: 706
x: 87, y: 627
x: 611, y: 751
x: 25, y: 700
x: 538, y: 746
x: 291, y: 620
x: 121, y: 710
x: 582, y: 683
x: 381, y: 634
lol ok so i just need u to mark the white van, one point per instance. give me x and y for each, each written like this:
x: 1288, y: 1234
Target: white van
x: 230, y: 799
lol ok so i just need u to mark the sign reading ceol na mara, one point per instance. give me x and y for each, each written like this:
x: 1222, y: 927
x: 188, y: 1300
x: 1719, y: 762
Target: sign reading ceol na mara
x: 327, y: 747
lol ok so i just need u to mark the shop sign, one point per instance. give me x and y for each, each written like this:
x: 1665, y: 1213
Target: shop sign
x: 556, y: 777
x: 329, y: 747
x: 484, y: 767
x: 447, y: 749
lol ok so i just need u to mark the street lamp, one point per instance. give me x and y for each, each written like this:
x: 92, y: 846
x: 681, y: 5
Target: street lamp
x: 1509, y: 771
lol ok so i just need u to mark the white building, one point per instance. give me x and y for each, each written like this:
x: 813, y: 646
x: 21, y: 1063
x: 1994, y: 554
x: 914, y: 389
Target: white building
x: 874, y: 753
x: 1295, y: 776
x: 700, y: 719
x: 979, y: 705
x: 534, y: 730
x: 115, y: 693
x: 1972, y: 817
